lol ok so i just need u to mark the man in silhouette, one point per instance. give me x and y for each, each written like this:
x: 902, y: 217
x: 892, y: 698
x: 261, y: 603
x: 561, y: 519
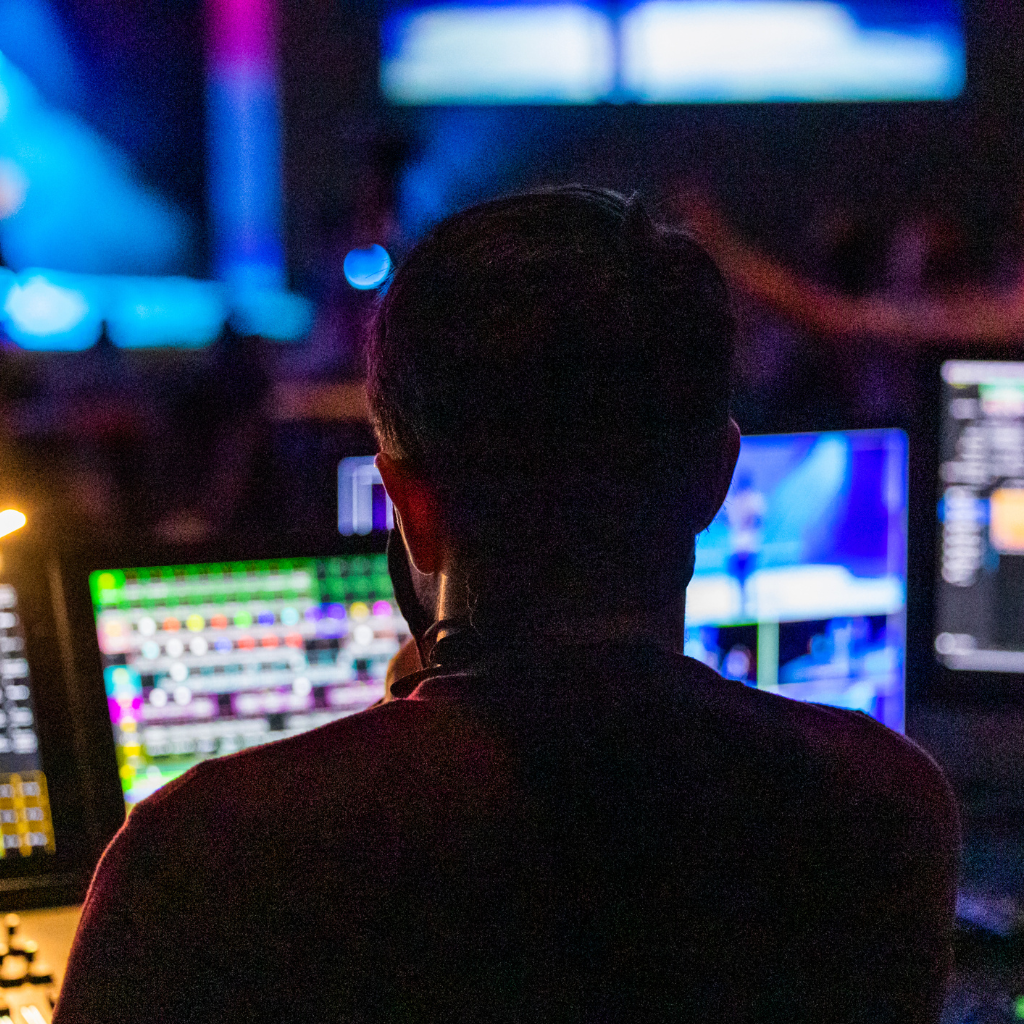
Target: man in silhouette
x: 557, y: 817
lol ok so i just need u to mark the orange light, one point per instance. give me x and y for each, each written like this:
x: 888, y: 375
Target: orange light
x: 10, y: 520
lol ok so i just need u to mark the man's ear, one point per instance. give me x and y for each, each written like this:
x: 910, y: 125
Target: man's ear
x: 418, y: 515
x: 711, y: 498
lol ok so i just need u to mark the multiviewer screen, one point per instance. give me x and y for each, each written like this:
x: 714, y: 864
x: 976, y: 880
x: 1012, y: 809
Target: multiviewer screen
x: 800, y: 581
x: 203, y: 660
x: 980, y: 602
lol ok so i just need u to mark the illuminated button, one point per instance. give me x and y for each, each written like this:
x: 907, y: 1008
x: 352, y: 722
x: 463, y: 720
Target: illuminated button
x: 302, y: 686
x: 266, y: 618
x: 243, y: 619
x: 295, y: 640
x: 106, y: 581
x: 222, y: 645
x: 270, y: 641
x: 178, y: 672
x: 218, y: 621
x: 182, y: 695
x: 195, y: 623
x: 146, y: 626
x: 246, y: 643
x: 170, y: 625
x: 175, y: 648
x: 198, y: 646
x: 13, y: 972
x: 362, y: 634
x: 358, y: 610
x: 158, y: 697
x: 381, y: 608
x: 121, y: 677
x: 289, y: 616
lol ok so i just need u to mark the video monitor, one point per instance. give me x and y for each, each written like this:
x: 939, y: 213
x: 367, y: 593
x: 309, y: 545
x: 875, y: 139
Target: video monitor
x: 800, y: 581
x: 979, y: 615
x: 671, y: 51
x: 363, y: 504
x: 205, y: 659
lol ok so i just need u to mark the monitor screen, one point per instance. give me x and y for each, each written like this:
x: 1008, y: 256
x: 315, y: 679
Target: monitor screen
x: 363, y: 504
x: 672, y: 51
x: 26, y: 825
x: 206, y: 659
x: 979, y: 622
x: 800, y: 581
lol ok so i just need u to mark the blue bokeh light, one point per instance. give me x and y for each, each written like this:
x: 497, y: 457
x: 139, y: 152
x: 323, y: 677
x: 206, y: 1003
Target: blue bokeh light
x: 367, y: 267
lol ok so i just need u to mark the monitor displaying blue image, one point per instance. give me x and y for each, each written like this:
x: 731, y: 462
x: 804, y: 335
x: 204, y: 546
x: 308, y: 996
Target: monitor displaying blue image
x: 800, y: 582
x: 672, y: 51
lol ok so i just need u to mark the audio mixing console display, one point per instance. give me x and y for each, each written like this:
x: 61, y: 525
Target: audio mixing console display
x: 204, y: 660
x: 26, y: 827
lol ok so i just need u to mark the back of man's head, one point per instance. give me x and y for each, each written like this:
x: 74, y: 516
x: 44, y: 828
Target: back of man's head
x: 557, y: 368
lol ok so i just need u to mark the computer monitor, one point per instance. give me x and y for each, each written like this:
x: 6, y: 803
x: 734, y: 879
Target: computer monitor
x: 671, y: 51
x: 979, y: 613
x: 800, y: 581
x: 203, y: 658
x: 44, y: 839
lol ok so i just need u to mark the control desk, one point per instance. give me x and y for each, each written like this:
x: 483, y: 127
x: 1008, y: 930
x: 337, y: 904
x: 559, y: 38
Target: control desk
x: 34, y: 949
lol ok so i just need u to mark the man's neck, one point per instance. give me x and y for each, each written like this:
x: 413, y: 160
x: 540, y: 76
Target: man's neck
x: 564, y: 622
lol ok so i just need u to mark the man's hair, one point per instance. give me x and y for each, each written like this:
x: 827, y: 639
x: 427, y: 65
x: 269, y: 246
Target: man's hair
x: 557, y: 368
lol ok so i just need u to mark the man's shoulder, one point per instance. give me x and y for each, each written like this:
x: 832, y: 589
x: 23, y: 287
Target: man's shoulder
x: 853, y: 753
x: 344, y: 769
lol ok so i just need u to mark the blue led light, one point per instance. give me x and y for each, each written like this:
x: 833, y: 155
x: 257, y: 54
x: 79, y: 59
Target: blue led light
x: 368, y: 267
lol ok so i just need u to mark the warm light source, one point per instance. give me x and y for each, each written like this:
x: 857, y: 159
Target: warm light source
x: 10, y: 520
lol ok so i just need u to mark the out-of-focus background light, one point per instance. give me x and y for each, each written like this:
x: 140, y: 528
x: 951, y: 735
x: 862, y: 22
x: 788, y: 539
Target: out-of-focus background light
x: 10, y: 520
x: 367, y: 267
x: 671, y: 51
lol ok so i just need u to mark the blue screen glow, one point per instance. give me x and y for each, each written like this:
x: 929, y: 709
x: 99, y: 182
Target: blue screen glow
x: 673, y: 51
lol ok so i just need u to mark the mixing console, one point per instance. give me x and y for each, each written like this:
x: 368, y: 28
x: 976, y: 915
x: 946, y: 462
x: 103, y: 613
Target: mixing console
x: 29, y: 980
x: 204, y: 660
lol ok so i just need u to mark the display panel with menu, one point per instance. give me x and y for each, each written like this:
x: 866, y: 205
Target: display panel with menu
x: 979, y: 621
x: 204, y: 659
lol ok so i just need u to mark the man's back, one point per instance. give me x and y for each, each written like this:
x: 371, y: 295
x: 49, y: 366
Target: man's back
x: 591, y: 834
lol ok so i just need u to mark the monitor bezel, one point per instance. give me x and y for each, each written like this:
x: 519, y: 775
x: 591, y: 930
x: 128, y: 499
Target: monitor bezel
x: 95, y: 739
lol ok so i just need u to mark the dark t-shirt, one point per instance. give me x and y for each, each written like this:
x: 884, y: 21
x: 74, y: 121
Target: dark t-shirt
x: 597, y: 834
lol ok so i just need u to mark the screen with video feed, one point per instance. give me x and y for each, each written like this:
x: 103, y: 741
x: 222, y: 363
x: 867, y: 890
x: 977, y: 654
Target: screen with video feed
x: 672, y: 51
x: 207, y: 659
x: 800, y: 581
x: 979, y: 621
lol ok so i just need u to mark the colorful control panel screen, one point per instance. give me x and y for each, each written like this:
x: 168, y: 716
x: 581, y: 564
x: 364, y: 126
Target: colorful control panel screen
x: 203, y: 660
